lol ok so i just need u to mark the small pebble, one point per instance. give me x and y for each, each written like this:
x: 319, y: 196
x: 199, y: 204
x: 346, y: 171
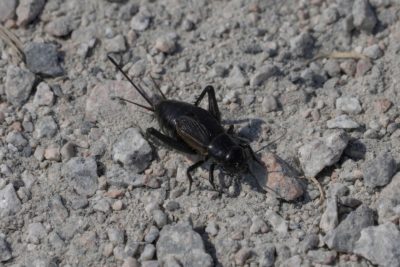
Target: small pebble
x: 116, y: 44
x: 29, y: 10
x: 342, y: 122
x: 130, y: 262
x: 269, y: 104
x: 148, y: 252
x: 152, y: 234
x: 166, y: 45
x: 44, y: 96
x: 212, y: 228
x: 363, y: 16
x: 59, y: 27
x: 116, y: 236
x: 7, y: 10
x: 160, y: 218
x: 350, y: 105
x: 68, y: 151
x: 242, y: 255
x: 19, y: 83
x: 373, y: 52
x: 117, y: 205
x: 52, y: 153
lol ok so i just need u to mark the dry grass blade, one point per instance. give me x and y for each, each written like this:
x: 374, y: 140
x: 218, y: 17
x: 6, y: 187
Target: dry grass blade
x: 12, y: 40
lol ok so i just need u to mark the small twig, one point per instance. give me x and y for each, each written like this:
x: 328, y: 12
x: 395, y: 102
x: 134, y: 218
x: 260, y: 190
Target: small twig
x: 339, y: 55
x: 318, y: 185
x: 12, y: 40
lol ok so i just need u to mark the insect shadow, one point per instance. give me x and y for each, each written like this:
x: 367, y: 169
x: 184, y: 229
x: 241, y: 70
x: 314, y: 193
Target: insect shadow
x: 190, y: 129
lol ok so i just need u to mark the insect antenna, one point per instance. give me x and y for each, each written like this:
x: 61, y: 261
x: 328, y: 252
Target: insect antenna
x: 157, y: 87
x: 131, y: 102
x: 272, y: 142
x: 138, y: 89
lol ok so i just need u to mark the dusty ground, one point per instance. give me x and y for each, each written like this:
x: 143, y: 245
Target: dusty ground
x: 80, y: 186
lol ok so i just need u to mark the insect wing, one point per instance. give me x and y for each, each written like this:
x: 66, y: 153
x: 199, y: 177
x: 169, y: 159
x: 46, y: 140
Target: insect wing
x: 193, y: 133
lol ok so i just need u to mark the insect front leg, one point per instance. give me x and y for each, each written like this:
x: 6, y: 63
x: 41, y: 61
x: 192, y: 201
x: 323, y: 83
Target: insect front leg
x: 212, y: 102
x: 169, y: 141
x: 211, y: 176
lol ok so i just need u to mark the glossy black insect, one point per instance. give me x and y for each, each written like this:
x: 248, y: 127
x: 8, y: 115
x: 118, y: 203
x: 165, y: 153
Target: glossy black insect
x: 191, y: 129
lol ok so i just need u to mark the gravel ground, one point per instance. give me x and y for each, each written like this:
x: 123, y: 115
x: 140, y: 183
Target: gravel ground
x: 80, y: 185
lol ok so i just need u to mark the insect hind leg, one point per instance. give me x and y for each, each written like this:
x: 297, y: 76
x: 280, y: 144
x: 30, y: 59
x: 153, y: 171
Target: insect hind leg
x: 212, y: 102
x: 169, y: 141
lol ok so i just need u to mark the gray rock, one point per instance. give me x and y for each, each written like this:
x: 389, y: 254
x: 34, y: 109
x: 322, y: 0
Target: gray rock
x: 5, y: 251
x: 373, y: 51
x: 279, y: 224
x: 68, y: 151
x: 269, y: 104
x: 45, y: 127
x: 116, y: 236
x: 363, y: 16
x: 17, y: 140
x: 332, y: 68
x: 236, y: 78
x: 132, y: 150
x: 322, y: 256
x: 218, y: 70
x: 344, y: 237
x: 379, y: 171
x: 116, y: 44
x: 102, y: 205
x: 350, y: 105
x: 19, y: 84
x: 267, y: 256
x: 322, y: 152
x: 212, y: 228
x: 151, y: 263
x: 36, y: 233
x: 82, y: 173
x: 329, y: 219
x: 148, y: 252
x: 380, y: 244
x: 311, y: 241
x: 294, y: 261
x: 43, y: 96
x: 160, y: 218
x: 258, y: 226
x: 152, y: 234
x: 330, y: 15
x: 9, y: 202
x: 342, y: 122
x: 119, y: 177
x: 302, y: 45
x: 140, y: 22
x: 172, y: 205
x: 59, y: 27
x: 29, y: 10
x: 7, y: 9
x: 185, y: 245
x: 388, y: 202
x: 58, y: 212
x: 43, y: 59
x: 263, y: 74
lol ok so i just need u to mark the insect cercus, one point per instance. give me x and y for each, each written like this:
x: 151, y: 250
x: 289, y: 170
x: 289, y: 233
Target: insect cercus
x: 191, y: 129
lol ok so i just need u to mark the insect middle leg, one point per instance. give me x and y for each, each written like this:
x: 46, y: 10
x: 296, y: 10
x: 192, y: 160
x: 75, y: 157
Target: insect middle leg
x: 190, y: 169
x: 212, y: 102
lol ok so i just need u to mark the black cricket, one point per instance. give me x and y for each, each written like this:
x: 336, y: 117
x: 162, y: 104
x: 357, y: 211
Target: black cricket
x: 191, y: 129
